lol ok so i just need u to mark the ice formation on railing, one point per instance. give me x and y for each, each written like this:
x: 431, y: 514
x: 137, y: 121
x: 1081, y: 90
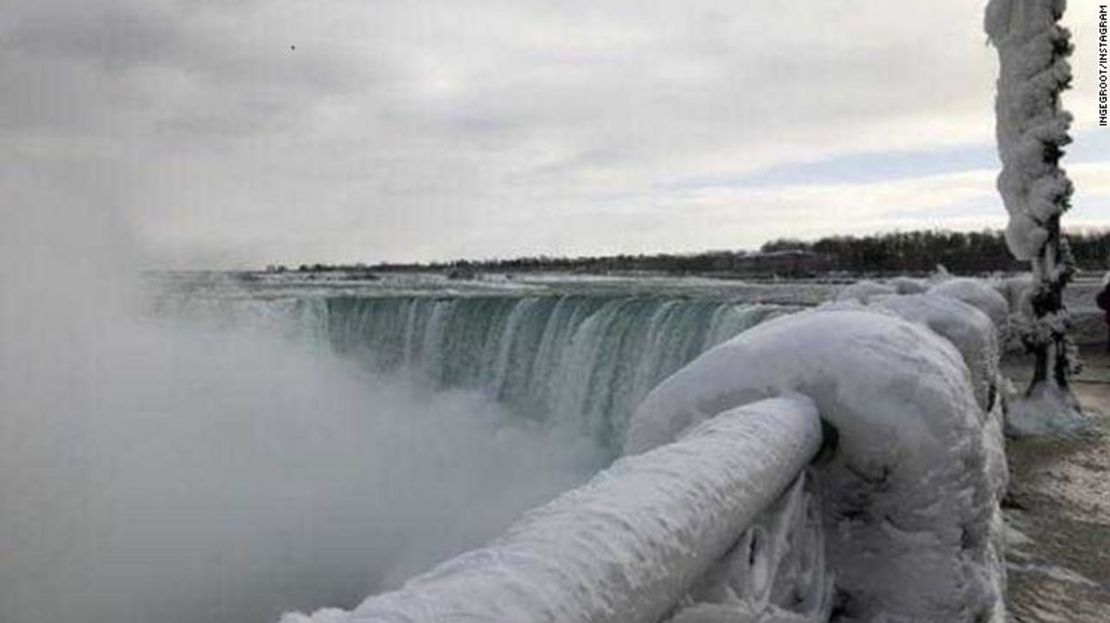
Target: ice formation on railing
x: 978, y: 294
x: 976, y: 337
x: 631, y: 544
x: 910, y: 497
x: 968, y: 329
x: 776, y: 572
x: 864, y: 291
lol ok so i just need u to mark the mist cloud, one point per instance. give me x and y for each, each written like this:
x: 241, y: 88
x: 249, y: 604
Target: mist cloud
x: 153, y: 470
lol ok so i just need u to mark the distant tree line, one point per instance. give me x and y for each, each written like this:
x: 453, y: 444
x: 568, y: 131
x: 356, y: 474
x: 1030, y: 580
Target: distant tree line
x: 895, y: 252
x: 922, y: 251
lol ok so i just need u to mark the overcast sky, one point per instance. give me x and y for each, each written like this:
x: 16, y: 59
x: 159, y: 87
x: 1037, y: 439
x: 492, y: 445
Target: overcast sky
x: 238, y: 133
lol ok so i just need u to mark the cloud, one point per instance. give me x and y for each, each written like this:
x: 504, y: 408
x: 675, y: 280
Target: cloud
x: 434, y: 129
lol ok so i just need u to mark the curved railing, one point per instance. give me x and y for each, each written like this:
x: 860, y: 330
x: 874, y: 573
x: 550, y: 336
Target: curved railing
x: 630, y: 544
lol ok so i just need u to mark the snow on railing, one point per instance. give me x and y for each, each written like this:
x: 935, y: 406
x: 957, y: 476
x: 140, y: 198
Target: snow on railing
x: 910, y: 496
x: 634, y: 542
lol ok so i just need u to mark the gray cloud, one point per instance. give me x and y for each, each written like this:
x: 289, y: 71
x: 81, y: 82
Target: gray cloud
x: 432, y: 129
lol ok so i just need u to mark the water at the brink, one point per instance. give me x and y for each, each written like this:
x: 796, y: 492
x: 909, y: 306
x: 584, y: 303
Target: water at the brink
x: 586, y: 360
x: 553, y: 357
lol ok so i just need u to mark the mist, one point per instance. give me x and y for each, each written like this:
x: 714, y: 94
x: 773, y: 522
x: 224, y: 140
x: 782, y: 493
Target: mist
x: 152, y: 470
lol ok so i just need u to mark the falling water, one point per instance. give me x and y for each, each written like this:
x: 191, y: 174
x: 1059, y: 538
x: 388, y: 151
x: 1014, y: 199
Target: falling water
x: 548, y: 358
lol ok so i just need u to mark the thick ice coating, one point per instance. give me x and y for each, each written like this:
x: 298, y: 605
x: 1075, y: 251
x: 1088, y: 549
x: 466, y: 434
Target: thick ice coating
x: 629, y: 545
x: 974, y: 335
x: 968, y: 329
x: 909, y: 285
x: 1032, y: 70
x: 979, y: 294
x: 776, y: 572
x: 863, y: 291
x: 1017, y: 290
x: 909, y: 505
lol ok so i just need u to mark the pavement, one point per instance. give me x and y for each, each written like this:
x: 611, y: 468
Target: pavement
x: 1058, y: 510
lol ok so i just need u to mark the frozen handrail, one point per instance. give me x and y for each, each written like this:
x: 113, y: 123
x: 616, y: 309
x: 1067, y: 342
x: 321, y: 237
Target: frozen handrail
x: 910, y: 496
x: 630, y: 544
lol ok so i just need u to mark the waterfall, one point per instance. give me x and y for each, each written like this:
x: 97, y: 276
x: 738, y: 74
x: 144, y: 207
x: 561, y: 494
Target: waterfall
x: 583, y: 360
x: 549, y: 357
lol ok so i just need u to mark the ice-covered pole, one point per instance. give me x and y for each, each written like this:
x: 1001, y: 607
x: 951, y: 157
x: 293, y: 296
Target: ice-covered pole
x: 1032, y: 130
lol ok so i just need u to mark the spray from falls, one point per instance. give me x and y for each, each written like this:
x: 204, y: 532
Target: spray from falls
x: 156, y: 470
x: 231, y: 469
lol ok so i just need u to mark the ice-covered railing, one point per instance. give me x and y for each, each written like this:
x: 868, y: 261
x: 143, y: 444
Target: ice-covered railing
x: 719, y: 512
x: 634, y: 542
